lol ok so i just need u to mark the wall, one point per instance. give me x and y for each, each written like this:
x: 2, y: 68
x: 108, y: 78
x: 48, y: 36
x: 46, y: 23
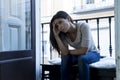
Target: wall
x: 117, y: 38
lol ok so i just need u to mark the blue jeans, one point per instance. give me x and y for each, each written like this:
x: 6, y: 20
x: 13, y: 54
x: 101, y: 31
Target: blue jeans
x: 83, y: 62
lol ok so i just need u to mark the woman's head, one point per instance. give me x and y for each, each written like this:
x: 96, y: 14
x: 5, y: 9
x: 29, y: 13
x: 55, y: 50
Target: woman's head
x: 61, y: 19
x: 60, y: 14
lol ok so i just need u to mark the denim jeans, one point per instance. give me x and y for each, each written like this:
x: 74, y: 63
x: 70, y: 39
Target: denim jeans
x: 83, y: 62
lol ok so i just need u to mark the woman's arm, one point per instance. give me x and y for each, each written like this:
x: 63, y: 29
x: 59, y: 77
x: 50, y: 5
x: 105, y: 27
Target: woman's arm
x: 79, y: 51
x: 64, y: 49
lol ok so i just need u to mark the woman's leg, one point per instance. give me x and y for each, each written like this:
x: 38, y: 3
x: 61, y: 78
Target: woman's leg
x: 66, y: 67
x: 83, y: 64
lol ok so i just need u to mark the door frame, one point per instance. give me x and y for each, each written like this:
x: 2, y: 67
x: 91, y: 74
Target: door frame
x: 11, y: 56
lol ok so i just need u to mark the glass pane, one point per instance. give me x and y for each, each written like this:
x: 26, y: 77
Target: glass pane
x: 15, y: 25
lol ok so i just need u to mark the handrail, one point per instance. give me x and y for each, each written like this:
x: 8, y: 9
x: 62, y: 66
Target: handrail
x: 84, y: 19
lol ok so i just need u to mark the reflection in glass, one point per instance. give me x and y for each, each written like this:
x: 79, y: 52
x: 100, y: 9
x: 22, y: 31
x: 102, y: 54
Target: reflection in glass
x: 15, y: 25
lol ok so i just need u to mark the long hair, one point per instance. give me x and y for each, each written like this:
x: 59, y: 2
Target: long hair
x: 59, y: 14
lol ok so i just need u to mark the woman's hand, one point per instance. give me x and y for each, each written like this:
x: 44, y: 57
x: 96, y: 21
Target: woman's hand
x: 55, y: 30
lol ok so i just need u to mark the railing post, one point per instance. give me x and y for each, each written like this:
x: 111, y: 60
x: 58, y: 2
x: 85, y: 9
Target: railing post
x: 98, y: 46
x: 86, y: 20
x: 50, y: 51
x: 110, y: 46
x: 42, y: 45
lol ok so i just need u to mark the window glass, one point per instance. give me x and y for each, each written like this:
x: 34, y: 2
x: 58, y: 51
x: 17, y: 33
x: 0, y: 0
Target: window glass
x: 15, y: 25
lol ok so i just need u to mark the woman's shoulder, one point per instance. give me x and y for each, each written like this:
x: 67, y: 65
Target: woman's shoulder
x: 79, y: 23
x: 82, y: 25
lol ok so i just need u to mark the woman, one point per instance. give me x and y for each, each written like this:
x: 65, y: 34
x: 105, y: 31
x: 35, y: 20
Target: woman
x: 63, y: 32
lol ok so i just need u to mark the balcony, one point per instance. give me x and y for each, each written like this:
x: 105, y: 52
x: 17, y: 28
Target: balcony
x: 103, y: 34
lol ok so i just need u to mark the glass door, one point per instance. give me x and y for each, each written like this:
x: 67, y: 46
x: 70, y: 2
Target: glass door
x: 17, y: 40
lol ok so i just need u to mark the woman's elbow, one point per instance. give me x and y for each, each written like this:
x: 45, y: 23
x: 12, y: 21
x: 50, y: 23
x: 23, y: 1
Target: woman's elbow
x: 65, y: 52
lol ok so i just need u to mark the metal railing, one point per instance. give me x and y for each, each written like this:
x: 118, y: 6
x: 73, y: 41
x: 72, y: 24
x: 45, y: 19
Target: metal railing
x: 96, y: 22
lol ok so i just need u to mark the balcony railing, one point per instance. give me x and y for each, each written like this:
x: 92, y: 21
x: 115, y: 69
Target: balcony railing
x: 102, y: 30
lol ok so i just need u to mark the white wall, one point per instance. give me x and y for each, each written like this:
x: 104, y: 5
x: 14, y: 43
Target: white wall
x: 38, y: 45
x: 117, y: 37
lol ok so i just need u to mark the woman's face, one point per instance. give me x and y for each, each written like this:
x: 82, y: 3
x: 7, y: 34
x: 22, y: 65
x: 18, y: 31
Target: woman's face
x: 62, y: 24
